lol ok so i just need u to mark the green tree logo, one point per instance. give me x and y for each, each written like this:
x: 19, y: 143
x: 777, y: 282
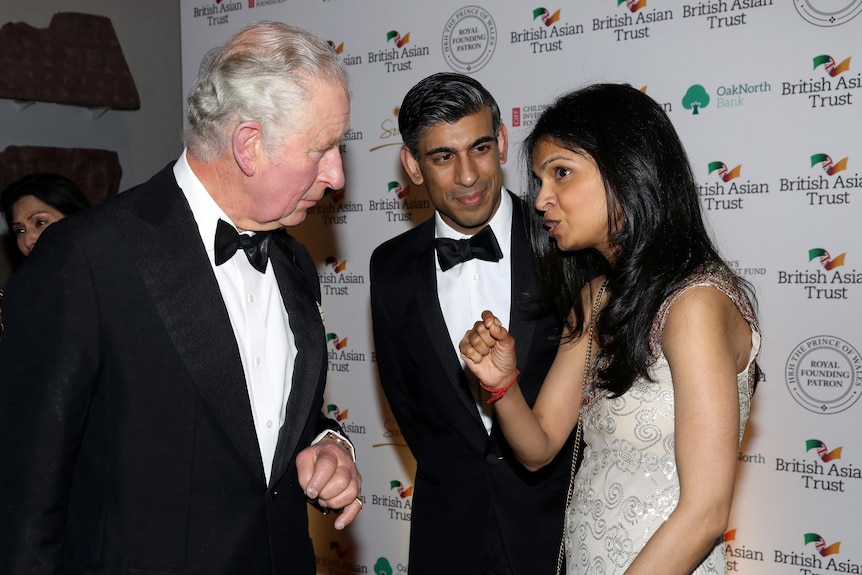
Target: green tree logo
x: 382, y: 567
x: 695, y: 98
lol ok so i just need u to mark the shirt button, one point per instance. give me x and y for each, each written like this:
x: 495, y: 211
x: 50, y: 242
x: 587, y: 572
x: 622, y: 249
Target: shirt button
x: 269, y: 424
x: 475, y: 277
x: 257, y: 360
x: 250, y: 298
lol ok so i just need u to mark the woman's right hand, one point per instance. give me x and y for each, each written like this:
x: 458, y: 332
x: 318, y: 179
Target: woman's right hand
x: 489, y: 352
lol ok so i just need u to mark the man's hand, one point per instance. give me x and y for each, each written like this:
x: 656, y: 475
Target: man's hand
x: 328, y: 474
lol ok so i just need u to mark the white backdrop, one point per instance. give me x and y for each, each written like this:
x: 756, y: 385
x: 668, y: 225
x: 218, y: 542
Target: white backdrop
x: 766, y: 97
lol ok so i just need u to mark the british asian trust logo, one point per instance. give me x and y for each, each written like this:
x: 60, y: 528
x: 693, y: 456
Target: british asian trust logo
x: 738, y: 554
x: 340, y: 560
x: 339, y: 355
x: 632, y: 20
x: 398, y: 203
x: 218, y: 13
x: 341, y: 416
x: 817, y: 555
x: 826, y: 184
x: 721, y: 14
x: 547, y: 33
x: 398, y: 54
x: 820, y: 468
x: 336, y: 279
x: 824, y: 374
x: 833, y: 83
x: 827, y: 279
x: 334, y: 209
x: 724, y: 190
x: 398, y: 501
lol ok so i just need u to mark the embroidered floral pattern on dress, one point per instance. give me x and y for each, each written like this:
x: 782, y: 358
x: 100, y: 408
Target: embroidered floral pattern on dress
x: 627, y: 485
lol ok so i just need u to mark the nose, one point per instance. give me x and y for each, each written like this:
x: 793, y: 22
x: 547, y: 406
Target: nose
x: 27, y: 240
x: 544, y: 199
x: 332, y: 169
x: 466, y: 172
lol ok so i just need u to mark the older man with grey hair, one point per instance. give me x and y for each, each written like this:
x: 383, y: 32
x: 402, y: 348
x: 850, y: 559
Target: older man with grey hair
x: 160, y: 404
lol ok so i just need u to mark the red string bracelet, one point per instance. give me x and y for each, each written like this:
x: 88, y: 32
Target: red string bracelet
x: 498, y: 393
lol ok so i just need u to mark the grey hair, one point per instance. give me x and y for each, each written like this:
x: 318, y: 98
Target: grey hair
x: 264, y: 73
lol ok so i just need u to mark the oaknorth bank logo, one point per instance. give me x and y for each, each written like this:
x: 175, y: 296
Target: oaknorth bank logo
x: 735, y: 551
x: 696, y: 99
x: 548, y: 33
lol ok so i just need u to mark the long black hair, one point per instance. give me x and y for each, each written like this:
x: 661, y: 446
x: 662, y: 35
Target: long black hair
x: 57, y: 191
x: 658, y: 235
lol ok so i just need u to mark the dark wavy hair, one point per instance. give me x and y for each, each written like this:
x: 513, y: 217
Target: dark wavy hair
x: 442, y: 97
x: 659, y: 237
x: 57, y: 191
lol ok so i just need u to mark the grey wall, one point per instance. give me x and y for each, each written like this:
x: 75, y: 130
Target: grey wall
x: 145, y: 139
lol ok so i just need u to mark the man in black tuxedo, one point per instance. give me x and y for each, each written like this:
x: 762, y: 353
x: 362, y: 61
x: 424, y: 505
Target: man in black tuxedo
x: 476, y: 510
x: 161, y: 394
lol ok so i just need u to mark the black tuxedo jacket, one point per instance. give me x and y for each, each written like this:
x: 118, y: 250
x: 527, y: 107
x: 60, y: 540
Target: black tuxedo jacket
x: 127, y: 443
x: 463, y: 474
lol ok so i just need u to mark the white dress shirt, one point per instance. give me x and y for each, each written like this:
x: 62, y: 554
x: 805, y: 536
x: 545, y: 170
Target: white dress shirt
x: 257, y: 314
x: 467, y: 289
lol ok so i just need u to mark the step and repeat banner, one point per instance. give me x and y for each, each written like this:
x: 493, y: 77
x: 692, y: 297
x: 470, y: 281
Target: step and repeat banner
x: 767, y: 97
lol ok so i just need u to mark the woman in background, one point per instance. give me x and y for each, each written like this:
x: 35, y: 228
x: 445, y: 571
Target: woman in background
x: 35, y: 202
x: 665, y: 395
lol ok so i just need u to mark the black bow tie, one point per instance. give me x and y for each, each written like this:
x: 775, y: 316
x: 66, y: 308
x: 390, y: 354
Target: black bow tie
x: 481, y: 246
x: 228, y: 241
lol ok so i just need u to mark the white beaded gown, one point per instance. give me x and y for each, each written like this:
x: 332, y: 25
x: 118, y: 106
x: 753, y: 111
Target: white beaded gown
x: 627, y: 484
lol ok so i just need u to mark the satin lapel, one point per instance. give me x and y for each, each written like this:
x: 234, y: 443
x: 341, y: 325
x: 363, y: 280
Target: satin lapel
x: 523, y: 283
x: 307, y: 327
x: 425, y: 287
x: 174, y: 266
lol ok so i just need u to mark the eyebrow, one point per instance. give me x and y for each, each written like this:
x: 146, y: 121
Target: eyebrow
x: 447, y: 149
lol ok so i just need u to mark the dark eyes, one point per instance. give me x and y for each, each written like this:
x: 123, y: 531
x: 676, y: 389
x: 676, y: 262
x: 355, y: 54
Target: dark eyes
x: 560, y: 172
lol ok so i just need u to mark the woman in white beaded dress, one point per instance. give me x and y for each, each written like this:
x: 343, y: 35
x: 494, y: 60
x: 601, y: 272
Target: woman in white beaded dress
x: 665, y: 338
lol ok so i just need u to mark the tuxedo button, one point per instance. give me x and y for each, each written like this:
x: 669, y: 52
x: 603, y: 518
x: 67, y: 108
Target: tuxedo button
x: 492, y: 459
x: 274, y: 494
